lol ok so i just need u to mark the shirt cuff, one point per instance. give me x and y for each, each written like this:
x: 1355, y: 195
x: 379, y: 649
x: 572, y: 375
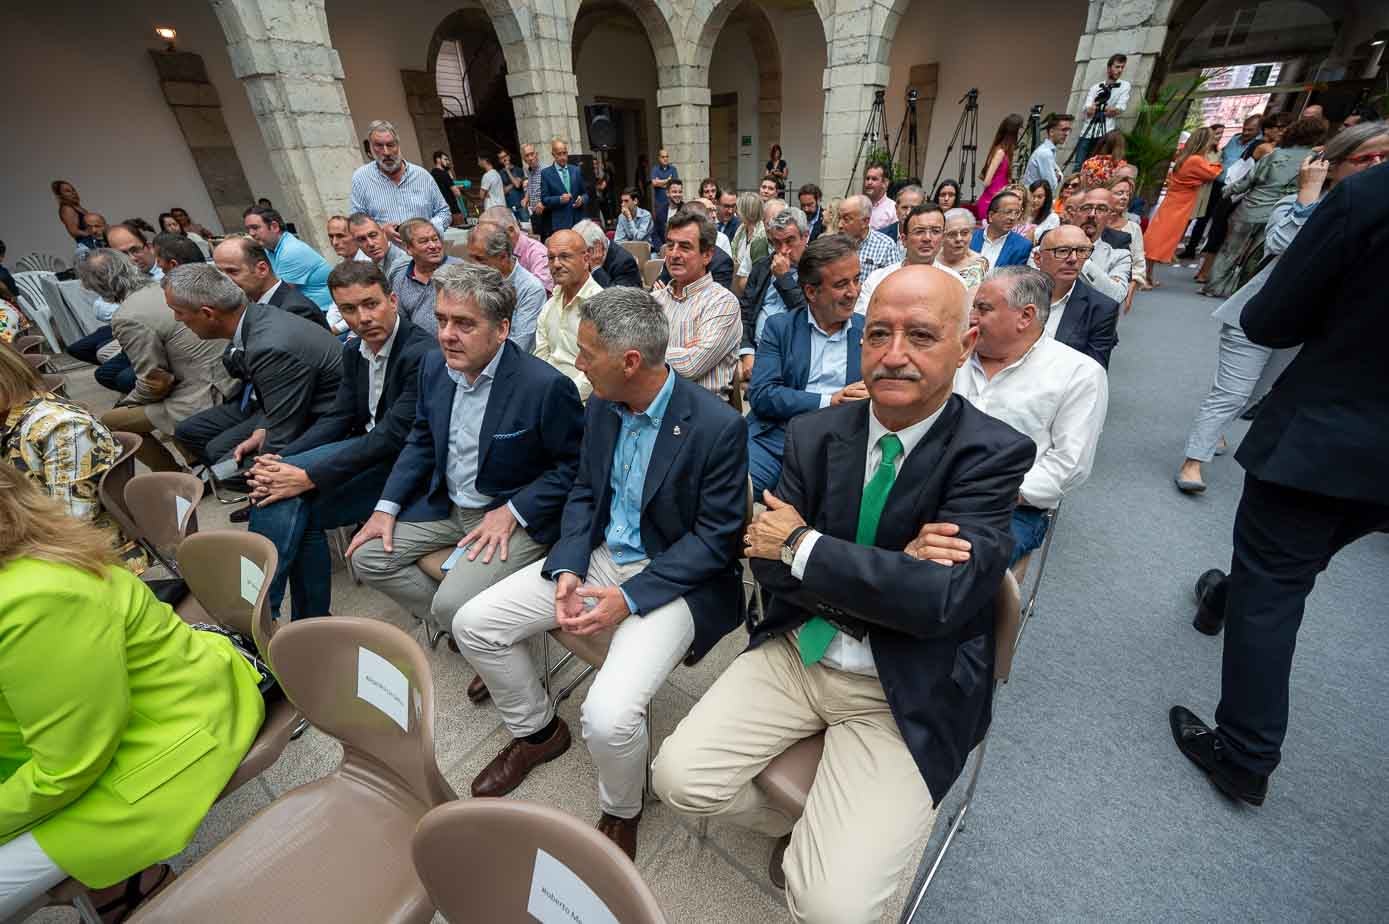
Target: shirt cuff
x: 803, y: 553
x: 385, y: 506
x: 747, y: 351
x: 631, y: 607
x: 825, y: 400
x: 517, y: 514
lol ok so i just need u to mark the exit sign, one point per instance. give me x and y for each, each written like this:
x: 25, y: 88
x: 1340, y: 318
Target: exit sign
x: 747, y: 141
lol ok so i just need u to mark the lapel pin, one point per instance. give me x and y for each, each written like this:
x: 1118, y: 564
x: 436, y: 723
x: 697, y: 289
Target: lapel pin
x: 676, y: 431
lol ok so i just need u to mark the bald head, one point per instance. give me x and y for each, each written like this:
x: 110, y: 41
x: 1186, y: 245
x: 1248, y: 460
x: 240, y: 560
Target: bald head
x: 567, y: 255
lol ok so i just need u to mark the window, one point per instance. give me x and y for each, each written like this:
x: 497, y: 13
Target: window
x: 451, y: 76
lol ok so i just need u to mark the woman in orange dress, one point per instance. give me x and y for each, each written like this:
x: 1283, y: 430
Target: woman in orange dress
x: 1197, y: 165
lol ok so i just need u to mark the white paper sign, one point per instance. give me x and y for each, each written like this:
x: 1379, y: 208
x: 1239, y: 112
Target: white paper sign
x: 560, y: 897
x: 252, y: 580
x: 181, y: 510
x: 380, y: 683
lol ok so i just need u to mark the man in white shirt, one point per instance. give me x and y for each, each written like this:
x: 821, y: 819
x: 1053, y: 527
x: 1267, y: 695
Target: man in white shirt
x: 1118, y: 100
x: 923, y: 231
x: 1052, y: 393
x: 884, y: 210
x: 557, y: 334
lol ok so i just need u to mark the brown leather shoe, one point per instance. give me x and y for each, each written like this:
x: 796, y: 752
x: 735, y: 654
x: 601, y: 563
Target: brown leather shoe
x: 621, y: 831
x: 477, y: 690
x: 520, y: 757
x: 774, y: 870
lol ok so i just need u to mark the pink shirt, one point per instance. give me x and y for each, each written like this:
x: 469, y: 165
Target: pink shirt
x: 530, y: 253
x: 884, y: 213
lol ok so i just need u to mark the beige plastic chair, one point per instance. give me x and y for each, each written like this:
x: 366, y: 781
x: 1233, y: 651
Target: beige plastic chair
x: 56, y: 384
x: 151, y: 501
x: 786, y: 781
x: 111, y: 486
x: 212, y: 565
x: 29, y: 343
x: 337, y: 850
x: 651, y: 271
x: 641, y: 250
x: 477, y: 860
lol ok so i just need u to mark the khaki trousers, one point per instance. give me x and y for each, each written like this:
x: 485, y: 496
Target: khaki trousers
x: 855, y: 851
x: 151, y: 452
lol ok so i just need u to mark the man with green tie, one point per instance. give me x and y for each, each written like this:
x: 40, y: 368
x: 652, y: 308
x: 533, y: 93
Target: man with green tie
x: 885, y: 646
x: 562, y: 189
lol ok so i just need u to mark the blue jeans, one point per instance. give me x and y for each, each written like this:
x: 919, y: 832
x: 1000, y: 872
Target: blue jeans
x: 296, y: 526
x: 1029, y: 528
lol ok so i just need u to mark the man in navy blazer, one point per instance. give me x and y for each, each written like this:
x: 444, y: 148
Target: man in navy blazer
x: 494, y: 447
x: 888, y: 654
x: 1082, y: 317
x: 807, y: 358
x: 997, y: 240
x: 647, y: 560
x: 333, y: 472
x: 562, y: 189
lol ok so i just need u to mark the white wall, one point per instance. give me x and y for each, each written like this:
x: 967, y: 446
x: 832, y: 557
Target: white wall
x: 733, y: 69
x: 801, y: 39
x: 83, y: 104
x: 1017, y: 52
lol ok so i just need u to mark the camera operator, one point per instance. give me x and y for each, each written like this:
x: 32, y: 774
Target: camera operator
x: 1107, y: 100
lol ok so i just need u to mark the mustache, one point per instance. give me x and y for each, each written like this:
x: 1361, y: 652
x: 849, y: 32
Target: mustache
x: 908, y: 375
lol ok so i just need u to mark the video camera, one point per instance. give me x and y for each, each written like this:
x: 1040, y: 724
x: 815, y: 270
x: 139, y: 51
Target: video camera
x: 1106, y: 89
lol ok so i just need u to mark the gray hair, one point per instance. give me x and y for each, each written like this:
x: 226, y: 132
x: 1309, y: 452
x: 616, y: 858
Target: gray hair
x: 858, y: 203
x: 495, y: 240
x: 111, y: 275
x: 788, y: 217
x: 1345, y: 141
x: 911, y: 189
x: 479, y: 284
x: 960, y: 214
x: 591, y: 233
x: 1025, y: 286
x: 381, y: 125
x: 203, y: 285
x: 772, y: 208
x: 501, y: 215
x: 627, y: 318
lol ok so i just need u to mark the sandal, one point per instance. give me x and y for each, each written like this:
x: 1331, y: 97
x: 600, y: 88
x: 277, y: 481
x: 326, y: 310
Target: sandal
x: 132, y: 898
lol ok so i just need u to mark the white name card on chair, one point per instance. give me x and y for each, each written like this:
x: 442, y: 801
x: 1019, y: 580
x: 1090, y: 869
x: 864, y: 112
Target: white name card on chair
x: 181, y: 510
x: 252, y: 580
x: 560, y: 897
x: 381, y: 683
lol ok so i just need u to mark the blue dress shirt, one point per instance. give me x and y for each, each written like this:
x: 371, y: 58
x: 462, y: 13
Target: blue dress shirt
x: 829, y: 361
x: 465, y: 434
x: 298, y: 263
x: 631, y: 457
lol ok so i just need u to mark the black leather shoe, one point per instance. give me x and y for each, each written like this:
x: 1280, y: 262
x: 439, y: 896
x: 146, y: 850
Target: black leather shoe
x: 1252, y: 411
x: 241, y: 516
x: 1210, y: 602
x: 1201, y: 746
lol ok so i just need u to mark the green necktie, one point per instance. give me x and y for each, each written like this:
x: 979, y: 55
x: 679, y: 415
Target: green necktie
x: 564, y: 177
x: 816, y: 635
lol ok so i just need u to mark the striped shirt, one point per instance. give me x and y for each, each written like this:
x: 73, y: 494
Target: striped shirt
x: 416, y: 196
x: 876, y: 251
x: 706, y: 326
x: 533, y: 187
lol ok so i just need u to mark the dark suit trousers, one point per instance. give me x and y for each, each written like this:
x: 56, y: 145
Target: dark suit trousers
x: 1284, y: 538
x: 211, y: 435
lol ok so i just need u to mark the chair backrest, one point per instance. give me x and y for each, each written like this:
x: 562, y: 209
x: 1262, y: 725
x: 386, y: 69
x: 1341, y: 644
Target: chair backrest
x: 485, y: 860
x: 39, y: 261
x: 369, y: 685
x: 229, y: 573
x: 37, y: 361
x: 639, y: 249
x: 651, y: 271
x: 29, y: 343
x: 55, y: 383
x: 1007, y: 614
x: 111, y: 488
x: 164, y: 505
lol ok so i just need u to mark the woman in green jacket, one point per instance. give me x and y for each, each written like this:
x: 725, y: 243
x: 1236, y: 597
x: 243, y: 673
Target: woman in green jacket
x: 119, y: 724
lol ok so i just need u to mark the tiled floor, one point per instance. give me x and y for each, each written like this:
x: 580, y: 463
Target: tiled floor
x: 721, y: 878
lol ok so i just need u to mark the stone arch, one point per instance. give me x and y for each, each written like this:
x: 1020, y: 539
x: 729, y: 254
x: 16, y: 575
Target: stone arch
x: 658, y: 17
x: 767, y: 55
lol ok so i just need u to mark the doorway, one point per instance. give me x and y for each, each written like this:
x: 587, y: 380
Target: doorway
x: 723, y: 139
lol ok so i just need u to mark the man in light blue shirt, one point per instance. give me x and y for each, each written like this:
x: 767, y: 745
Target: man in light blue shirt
x: 1042, y: 164
x: 634, y: 222
x: 290, y: 258
x: 392, y: 190
x: 490, y: 245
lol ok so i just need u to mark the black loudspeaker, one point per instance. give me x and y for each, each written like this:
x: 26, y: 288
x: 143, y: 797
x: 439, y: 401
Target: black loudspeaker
x: 602, y: 131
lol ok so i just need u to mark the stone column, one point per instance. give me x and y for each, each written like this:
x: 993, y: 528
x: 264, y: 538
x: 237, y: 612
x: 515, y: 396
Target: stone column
x: 426, y: 113
x: 857, y: 49
x: 684, y: 108
x: 546, y: 104
x: 282, y: 52
x: 1136, y: 28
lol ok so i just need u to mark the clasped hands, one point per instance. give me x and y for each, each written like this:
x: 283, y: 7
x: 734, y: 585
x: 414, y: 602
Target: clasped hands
x: 574, y: 616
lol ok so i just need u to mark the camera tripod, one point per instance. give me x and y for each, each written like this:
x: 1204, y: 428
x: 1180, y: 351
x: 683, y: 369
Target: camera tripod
x: 908, y: 131
x: 1095, y: 129
x: 967, y: 133
x: 873, y: 129
x: 1027, y: 142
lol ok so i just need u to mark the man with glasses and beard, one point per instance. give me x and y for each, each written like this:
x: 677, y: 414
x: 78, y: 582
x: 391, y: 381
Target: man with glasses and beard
x: 391, y: 190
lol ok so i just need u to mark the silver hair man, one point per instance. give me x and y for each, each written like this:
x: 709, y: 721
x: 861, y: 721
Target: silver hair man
x: 202, y: 285
x: 789, y: 217
x: 494, y: 296
x: 112, y: 275
x: 500, y: 215
x: 1025, y: 286
x: 496, y: 241
x: 593, y: 236
x: 626, y: 318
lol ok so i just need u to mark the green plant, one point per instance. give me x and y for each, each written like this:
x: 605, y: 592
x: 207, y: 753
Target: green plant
x: 1152, y: 142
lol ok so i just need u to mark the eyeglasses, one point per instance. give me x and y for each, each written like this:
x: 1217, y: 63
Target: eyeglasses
x: 1010, y: 213
x: 1065, y: 253
x: 1371, y: 158
x: 926, y: 232
x: 1093, y: 209
x: 958, y: 235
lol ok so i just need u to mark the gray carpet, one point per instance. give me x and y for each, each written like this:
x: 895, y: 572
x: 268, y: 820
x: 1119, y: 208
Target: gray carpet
x: 1085, y: 810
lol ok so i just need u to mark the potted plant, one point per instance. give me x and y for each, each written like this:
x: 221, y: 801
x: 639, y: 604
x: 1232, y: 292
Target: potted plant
x: 1152, y: 142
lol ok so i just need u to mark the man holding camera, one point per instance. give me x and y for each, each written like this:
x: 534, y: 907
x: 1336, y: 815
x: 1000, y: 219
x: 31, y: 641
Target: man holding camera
x: 1105, y: 102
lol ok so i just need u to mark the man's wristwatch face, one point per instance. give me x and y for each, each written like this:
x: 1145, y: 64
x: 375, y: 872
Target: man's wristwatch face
x: 788, y: 555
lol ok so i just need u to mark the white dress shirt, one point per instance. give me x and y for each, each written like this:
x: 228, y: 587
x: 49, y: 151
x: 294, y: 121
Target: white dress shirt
x: 1054, y: 394
x: 1058, y: 308
x: 376, y: 372
x: 270, y: 292
x: 1118, y: 99
x: 990, y: 249
x: 845, y: 652
x: 875, y: 279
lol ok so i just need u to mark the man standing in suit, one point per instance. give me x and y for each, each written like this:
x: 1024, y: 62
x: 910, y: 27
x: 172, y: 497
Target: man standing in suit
x: 290, y: 367
x: 890, y: 656
x: 562, y: 189
x: 612, y: 264
x: 807, y: 358
x: 1080, y: 316
x: 997, y: 242
x: 332, y: 474
x: 246, y: 264
x: 648, y: 553
x: 1313, y: 462
x: 773, y: 287
x: 494, y: 446
x: 290, y: 258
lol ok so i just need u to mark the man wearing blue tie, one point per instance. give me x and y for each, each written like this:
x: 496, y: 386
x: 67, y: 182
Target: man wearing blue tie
x: 562, y: 189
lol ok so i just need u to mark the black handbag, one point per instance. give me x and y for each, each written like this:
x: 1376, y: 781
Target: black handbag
x: 269, y: 686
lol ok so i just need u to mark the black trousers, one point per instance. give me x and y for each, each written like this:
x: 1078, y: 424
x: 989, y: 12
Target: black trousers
x: 1220, y: 224
x: 1194, y: 242
x: 211, y: 435
x: 1284, y: 538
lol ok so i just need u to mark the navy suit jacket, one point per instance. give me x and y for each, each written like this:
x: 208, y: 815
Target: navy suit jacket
x: 930, y: 626
x: 1090, y: 323
x: 780, y: 373
x: 562, y: 214
x: 619, y: 269
x: 527, y: 450
x: 1015, y: 250
x: 694, y: 505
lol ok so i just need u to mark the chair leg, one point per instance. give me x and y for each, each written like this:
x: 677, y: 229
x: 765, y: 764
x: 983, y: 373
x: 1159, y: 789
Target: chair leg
x: 1045, y: 552
x: 957, y: 823
x: 86, y: 911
